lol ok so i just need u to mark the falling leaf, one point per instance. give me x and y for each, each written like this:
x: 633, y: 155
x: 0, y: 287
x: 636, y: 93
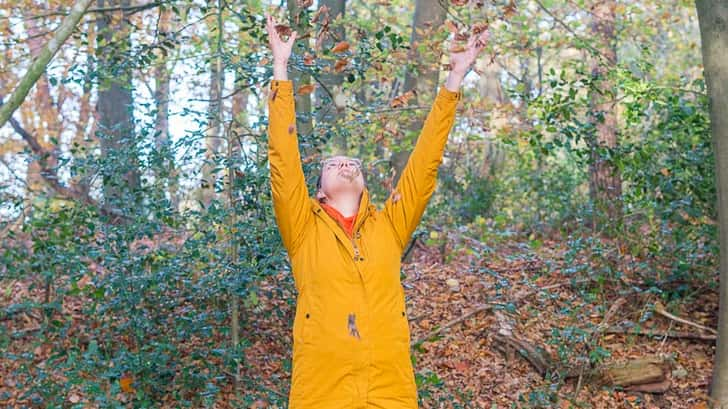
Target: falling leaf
x: 306, y: 89
x: 510, y: 9
x: 340, y: 47
x: 310, y: 158
x: 125, y: 383
x: 451, y: 26
x: 322, y: 11
x: 478, y: 28
x: 402, y: 99
x: 341, y: 65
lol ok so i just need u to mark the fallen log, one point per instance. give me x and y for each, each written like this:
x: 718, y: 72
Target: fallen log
x: 647, y: 374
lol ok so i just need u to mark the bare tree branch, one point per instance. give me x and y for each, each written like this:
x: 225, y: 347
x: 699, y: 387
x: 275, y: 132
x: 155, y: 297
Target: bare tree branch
x: 39, y: 65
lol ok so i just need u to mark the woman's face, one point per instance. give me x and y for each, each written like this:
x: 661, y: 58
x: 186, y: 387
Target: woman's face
x: 341, y: 175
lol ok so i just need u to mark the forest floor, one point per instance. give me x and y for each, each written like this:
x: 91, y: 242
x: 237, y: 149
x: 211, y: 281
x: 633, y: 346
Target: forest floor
x: 463, y: 366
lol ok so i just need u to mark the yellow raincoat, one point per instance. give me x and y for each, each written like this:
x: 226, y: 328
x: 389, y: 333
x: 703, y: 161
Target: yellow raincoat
x: 351, y: 339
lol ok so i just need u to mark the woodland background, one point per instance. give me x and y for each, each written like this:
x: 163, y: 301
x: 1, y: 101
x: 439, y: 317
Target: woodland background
x: 575, y: 216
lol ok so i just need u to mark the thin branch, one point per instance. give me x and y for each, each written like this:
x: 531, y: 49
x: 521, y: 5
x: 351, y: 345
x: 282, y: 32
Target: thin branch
x: 487, y: 307
x: 569, y: 29
x: 51, y: 177
x: 659, y: 334
x: 660, y: 309
x: 39, y: 65
x: 126, y: 9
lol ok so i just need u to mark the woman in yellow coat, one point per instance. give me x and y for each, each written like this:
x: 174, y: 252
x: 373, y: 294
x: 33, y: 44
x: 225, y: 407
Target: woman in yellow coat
x: 351, y: 340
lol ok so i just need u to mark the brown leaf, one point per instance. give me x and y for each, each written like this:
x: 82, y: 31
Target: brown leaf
x: 341, y: 65
x: 462, y: 366
x: 322, y: 11
x: 306, y: 89
x: 305, y: 3
x: 340, y: 47
x: 478, y: 28
x: 283, y: 30
x: 125, y: 383
x: 451, y: 26
x: 402, y: 99
x: 510, y: 9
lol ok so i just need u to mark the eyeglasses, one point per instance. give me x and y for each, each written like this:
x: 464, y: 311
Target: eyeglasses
x: 333, y: 163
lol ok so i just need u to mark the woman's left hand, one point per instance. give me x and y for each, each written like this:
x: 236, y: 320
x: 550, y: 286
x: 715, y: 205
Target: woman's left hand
x: 462, y: 60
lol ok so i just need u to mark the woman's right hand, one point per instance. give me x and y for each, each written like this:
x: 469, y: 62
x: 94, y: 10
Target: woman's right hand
x: 281, y: 49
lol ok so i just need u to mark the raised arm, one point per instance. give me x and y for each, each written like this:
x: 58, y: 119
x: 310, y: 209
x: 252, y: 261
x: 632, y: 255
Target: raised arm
x: 288, y: 184
x: 408, y: 201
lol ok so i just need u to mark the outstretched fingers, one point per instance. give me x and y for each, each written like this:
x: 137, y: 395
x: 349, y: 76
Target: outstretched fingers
x: 270, y: 27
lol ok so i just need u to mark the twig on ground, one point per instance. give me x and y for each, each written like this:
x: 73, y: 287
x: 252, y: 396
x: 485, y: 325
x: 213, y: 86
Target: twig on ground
x: 657, y: 334
x: 486, y: 307
x: 660, y: 309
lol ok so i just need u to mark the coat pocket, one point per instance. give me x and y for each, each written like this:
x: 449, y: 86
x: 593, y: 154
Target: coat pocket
x: 301, y: 322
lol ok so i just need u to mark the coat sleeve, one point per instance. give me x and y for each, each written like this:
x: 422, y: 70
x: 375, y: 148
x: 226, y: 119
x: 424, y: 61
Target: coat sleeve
x: 288, y: 184
x: 407, y: 203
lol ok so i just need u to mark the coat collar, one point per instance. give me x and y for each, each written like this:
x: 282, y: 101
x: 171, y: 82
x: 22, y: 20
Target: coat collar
x: 363, y: 212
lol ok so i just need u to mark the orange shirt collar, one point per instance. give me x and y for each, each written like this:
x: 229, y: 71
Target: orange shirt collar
x: 347, y: 223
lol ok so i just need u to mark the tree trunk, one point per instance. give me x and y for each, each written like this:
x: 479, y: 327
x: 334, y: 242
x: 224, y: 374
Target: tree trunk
x: 214, y: 134
x: 605, y: 184
x: 162, y: 78
x: 327, y: 114
x: 429, y: 16
x: 713, y: 20
x: 491, y: 90
x: 115, y: 107
x: 82, y: 145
